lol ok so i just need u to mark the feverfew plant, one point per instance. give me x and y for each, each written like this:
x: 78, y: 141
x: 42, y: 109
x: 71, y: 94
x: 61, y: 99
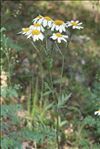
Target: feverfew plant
x: 46, y: 29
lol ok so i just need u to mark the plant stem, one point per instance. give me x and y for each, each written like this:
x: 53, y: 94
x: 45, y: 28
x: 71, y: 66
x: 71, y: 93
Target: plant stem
x: 41, y: 67
x: 31, y: 92
x: 58, y: 145
x: 62, y: 69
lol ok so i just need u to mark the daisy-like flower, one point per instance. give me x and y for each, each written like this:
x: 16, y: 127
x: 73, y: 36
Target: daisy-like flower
x: 47, y: 21
x: 38, y: 19
x: 74, y: 24
x: 37, y: 26
x: 59, y: 37
x: 36, y: 35
x: 25, y: 31
x: 58, y: 25
x: 97, y: 112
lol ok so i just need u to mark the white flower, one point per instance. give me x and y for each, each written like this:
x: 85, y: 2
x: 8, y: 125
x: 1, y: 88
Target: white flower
x: 58, y: 25
x: 37, y: 26
x: 38, y: 19
x: 59, y: 37
x: 97, y: 112
x: 25, y: 31
x: 47, y: 21
x: 74, y: 24
x: 36, y: 35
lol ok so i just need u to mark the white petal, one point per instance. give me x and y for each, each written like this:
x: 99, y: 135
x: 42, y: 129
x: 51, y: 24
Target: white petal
x: 69, y: 25
x: 96, y: 113
x: 77, y: 21
x: 44, y: 23
x: 29, y: 36
x: 68, y: 22
x: 64, y: 29
x: 57, y: 27
x: 71, y: 21
x: 60, y: 29
x: 74, y: 27
x: 38, y: 28
x: 35, y: 37
x: 31, y: 27
x: 59, y: 40
x: 42, y: 29
x: 65, y: 36
x: 41, y: 36
x: 54, y: 37
x: 80, y: 23
x: 53, y: 27
x: 40, y: 20
x: 63, y: 39
x: 49, y: 23
x: 35, y: 20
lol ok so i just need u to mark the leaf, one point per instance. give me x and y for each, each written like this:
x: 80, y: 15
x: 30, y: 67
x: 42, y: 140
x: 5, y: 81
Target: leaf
x: 89, y: 120
x: 63, y: 99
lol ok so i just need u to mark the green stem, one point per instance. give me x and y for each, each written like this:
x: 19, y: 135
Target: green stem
x: 62, y: 69
x: 57, y: 134
x: 41, y: 66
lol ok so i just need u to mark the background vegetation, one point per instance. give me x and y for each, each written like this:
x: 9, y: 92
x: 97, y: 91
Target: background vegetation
x: 28, y: 110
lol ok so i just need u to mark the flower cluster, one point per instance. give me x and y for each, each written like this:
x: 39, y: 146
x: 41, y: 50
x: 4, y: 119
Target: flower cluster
x: 57, y: 27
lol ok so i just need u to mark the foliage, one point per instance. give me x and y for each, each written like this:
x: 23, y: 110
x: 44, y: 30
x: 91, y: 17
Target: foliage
x: 51, y: 104
x: 9, y: 92
x: 15, y: 135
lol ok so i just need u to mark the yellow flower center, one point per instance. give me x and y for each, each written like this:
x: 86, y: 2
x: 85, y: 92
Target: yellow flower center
x: 58, y: 35
x: 74, y: 23
x: 39, y: 17
x: 58, y: 22
x: 37, y: 24
x: 48, y: 18
x: 36, y: 32
x: 25, y: 29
